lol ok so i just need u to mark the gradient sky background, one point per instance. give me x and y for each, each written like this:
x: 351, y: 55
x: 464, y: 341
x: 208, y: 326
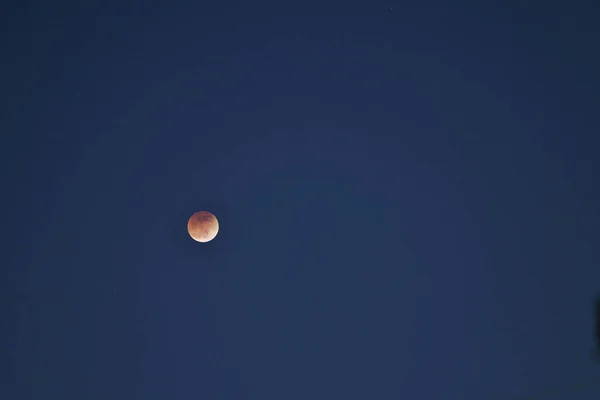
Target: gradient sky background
x: 408, y: 200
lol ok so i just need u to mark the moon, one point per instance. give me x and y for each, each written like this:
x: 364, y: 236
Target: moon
x: 203, y: 226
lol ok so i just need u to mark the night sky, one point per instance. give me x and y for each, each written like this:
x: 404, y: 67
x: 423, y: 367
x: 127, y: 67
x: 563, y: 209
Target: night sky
x: 407, y: 195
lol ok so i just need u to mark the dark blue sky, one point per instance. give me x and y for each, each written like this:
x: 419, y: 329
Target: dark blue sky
x: 408, y: 200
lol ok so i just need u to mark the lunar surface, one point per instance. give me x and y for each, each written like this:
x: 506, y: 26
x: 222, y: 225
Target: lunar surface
x: 203, y: 226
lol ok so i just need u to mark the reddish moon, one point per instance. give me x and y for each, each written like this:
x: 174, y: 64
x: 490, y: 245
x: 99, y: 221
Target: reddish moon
x: 203, y: 226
